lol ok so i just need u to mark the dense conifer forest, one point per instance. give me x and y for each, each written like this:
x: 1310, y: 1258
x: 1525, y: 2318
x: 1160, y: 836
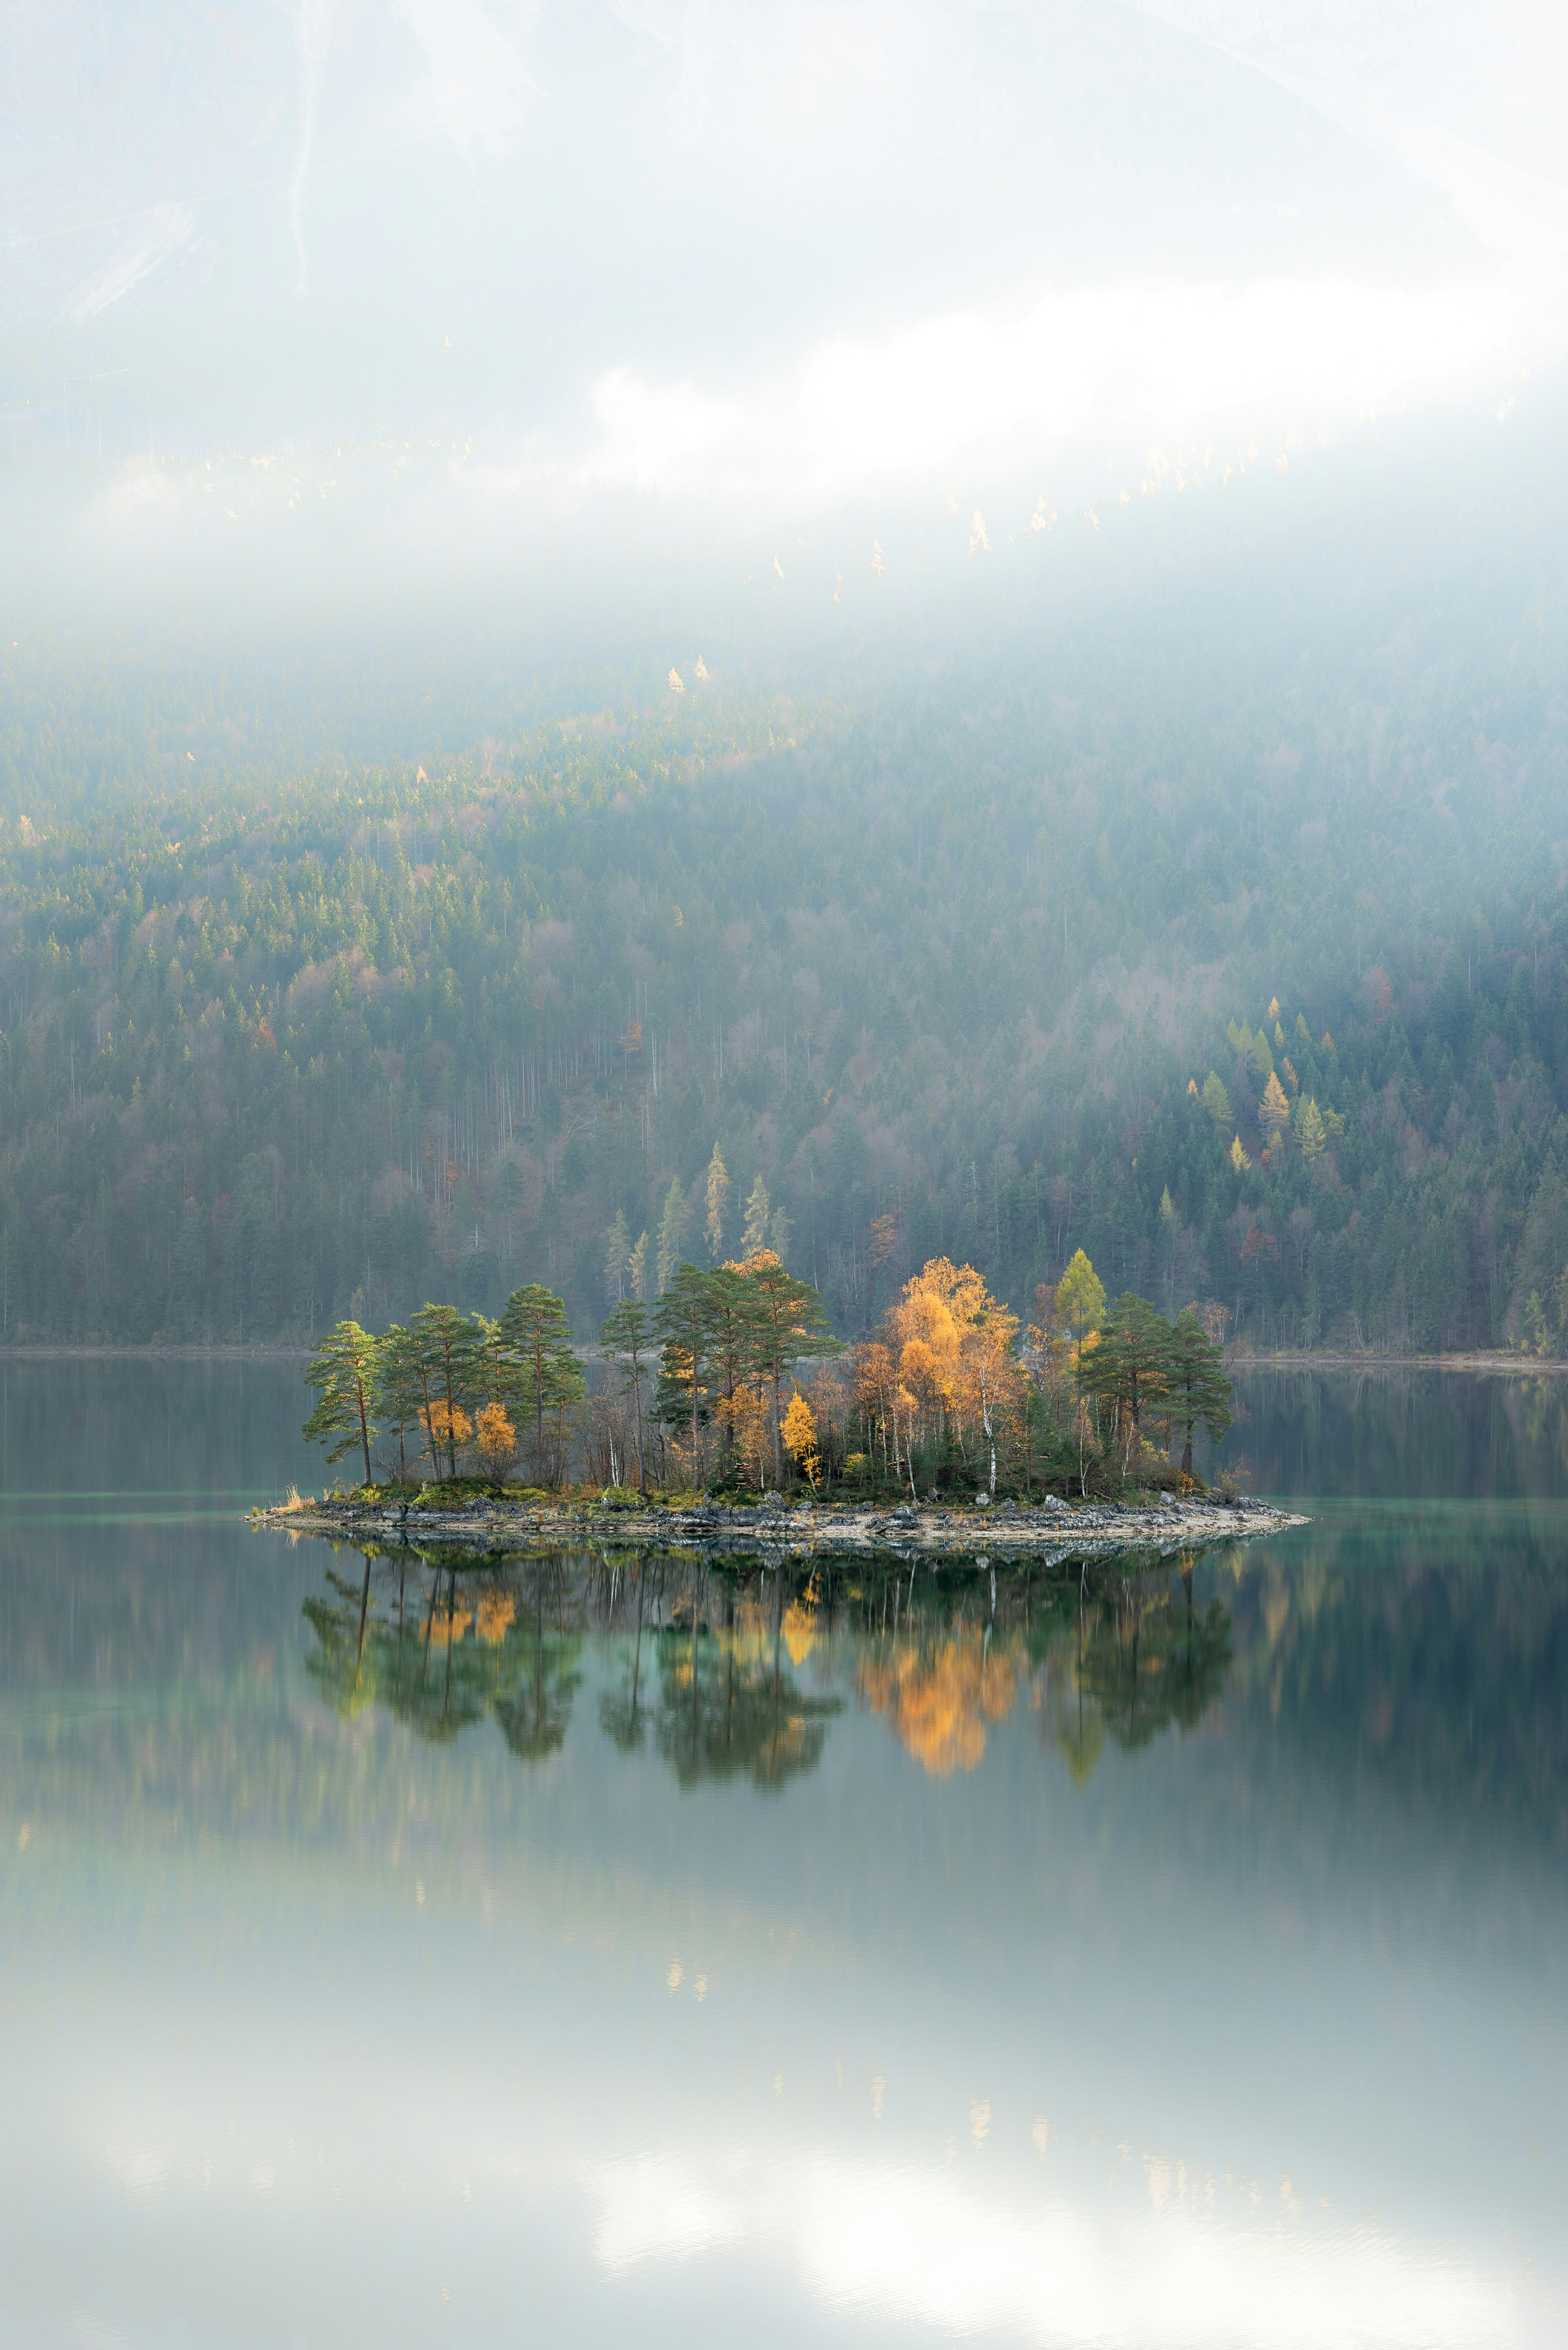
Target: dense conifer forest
x: 1256, y: 991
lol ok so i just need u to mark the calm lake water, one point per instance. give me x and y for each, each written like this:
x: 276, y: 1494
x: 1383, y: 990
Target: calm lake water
x: 1164, y: 1961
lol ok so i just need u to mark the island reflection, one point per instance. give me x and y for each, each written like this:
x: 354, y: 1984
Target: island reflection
x: 729, y: 1668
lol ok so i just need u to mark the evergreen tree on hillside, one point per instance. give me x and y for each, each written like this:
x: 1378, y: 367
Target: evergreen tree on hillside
x: 671, y: 1234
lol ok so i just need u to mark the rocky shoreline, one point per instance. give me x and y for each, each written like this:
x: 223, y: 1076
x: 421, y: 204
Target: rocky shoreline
x: 1049, y: 1529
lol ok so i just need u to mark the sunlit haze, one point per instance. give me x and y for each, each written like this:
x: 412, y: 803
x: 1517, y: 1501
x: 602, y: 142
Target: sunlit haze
x: 466, y: 286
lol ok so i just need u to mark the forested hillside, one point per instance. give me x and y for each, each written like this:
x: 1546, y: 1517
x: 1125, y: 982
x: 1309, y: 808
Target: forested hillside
x: 1256, y: 989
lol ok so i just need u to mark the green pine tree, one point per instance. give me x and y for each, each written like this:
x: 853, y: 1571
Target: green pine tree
x: 445, y: 1340
x: 1199, y: 1394
x: 543, y: 1370
x: 682, y: 1327
x: 1127, y: 1366
x: 626, y: 1339
x: 342, y: 1370
x: 671, y: 1233
x: 403, y: 1393
x: 617, y: 1256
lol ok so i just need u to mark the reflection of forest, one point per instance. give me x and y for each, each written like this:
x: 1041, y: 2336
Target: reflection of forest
x: 726, y: 1700
x: 1414, y: 1660
x: 712, y: 1676
x: 439, y: 1660
x: 1125, y: 1653
x: 734, y: 1669
x: 442, y: 1644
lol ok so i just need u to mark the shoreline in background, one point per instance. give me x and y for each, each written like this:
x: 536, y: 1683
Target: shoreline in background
x: 1495, y: 1364
x: 172, y: 1353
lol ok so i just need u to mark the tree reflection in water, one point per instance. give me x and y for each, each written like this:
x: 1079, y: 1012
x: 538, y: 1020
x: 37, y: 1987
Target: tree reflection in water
x: 1099, y: 1650
x: 444, y: 1662
x: 710, y: 1655
x: 727, y: 1702
x: 537, y: 1706
x: 1147, y: 1657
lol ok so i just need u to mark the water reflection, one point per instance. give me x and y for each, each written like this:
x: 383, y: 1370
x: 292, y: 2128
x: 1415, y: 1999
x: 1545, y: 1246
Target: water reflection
x: 710, y: 1660
x: 783, y: 1969
x: 441, y: 1659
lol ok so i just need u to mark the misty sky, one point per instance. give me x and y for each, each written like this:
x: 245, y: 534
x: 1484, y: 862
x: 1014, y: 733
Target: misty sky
x: 759, y: 259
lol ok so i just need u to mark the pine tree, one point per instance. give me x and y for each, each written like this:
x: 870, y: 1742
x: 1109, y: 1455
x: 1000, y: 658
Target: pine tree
x: 671, y: 1233
x: 543, y: 1366
x: 1311, y: 1136
x: 1127, y: 1366
x: 1199, y: 1393
x: 682, y: 1327
x: 1216, y: 1101
x: 626, y: 1339
x: 637, y: 1269
x: 754, y: 1237
x: 734, y: 1337
x: 342, y: 1370
x: 791, y: 1323
x: 617, y: 1257
x: 403, y: 1394
x: 718, y: 1201
x: 446, y: 1341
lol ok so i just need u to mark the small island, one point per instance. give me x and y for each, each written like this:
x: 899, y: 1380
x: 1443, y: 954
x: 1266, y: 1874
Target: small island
x: 953, y: 1431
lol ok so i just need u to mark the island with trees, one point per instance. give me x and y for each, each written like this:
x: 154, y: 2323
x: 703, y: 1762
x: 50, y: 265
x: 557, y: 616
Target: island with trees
x: 724, y: 1411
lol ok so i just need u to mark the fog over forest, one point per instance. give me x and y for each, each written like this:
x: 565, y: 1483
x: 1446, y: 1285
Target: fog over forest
x: 963, y: 604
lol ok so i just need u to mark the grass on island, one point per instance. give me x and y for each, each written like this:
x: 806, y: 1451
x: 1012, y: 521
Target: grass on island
x: 1156, y: 1481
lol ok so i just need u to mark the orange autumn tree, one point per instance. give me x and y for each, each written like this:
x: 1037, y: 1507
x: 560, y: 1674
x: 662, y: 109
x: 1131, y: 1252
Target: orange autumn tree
x: 955, y: 1351
x: 495, y: 1439
x: 449, y: 1426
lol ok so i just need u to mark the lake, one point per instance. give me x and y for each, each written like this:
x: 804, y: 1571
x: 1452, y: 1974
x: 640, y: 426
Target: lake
x: 1147, y: 1957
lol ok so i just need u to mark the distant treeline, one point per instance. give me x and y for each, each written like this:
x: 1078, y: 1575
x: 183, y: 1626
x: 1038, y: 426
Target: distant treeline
x: 1256, y: 991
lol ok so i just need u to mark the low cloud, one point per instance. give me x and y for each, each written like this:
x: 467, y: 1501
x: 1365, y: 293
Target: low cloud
x: 998, y: 389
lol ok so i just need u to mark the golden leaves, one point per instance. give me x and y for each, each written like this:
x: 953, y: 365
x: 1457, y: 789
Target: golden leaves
x: 496, y: 1615
x: 494, y: 1437
x: 449, y: 1625
x: 941, y: 1699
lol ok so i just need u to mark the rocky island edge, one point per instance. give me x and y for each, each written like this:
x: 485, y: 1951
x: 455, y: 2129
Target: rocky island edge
x: 1052, y: 1527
